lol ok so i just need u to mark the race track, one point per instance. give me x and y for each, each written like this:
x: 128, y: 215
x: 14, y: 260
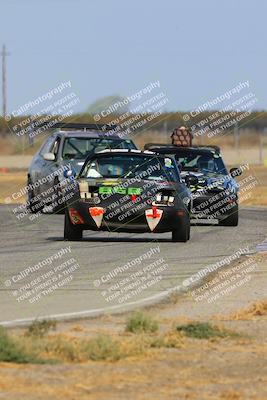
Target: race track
x: 89, y: 285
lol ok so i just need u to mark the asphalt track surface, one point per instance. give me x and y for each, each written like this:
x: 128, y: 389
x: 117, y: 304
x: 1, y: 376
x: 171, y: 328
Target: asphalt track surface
x: 88, y: 288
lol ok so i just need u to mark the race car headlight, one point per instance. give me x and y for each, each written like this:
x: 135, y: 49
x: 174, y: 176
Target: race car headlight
x: 226, y: 185
x: 164, y: 199
x: 89, y: 193
x: 229, y: 187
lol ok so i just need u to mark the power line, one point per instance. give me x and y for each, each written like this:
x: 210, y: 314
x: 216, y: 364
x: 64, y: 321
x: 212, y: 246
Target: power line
x: 4, y: 53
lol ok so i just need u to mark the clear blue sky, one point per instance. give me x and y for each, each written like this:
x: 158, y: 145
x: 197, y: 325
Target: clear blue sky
x: 197, y: 49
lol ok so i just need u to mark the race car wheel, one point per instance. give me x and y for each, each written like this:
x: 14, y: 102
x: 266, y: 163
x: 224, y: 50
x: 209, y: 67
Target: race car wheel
x: 182, y: 232
x: 231, y: 220
x: 34, y: 205
x: 71, y: 232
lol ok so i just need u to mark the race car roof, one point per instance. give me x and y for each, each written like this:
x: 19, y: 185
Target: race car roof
x: 76, y: 129
x: 123, y: 151
x: 132, y: 152
x: 170, y: 149
x: 90, y: 134
x: 83, y: 126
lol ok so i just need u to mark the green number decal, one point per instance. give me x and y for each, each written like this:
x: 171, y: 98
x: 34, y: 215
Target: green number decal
x: 137, y: 191
x: 105, y: 190
x: 119, y: 190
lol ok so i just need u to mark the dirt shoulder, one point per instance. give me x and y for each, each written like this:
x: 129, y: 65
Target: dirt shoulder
x: 182, y: 367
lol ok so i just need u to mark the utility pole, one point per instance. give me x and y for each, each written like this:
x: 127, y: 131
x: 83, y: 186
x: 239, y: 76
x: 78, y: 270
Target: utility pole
x: 165, y: 130
x: 4, y: 83
x: 261, y: 147
x: 236, y: 137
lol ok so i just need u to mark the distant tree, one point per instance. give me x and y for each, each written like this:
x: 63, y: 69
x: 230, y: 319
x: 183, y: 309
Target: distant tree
x: 113, y: 103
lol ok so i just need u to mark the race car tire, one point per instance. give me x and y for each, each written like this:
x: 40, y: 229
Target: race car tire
x: 188, y: 230
x: 182, y: 232
x: 71, y: 232
x: 231, y: 220
x: 34, y: 206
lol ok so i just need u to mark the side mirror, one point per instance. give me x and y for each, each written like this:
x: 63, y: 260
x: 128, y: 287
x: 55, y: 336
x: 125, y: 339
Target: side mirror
x: 49, y: 156
x: 235, y: 172
x: 191, y: 180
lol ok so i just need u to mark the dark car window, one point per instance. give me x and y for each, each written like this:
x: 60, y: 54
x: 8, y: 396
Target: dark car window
x: 201, y: 162
x: 136, y: 167
x: 79, y: 148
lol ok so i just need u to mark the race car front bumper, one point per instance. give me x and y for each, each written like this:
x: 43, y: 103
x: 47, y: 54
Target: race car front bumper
x: 214, y: 205
x: 145, y: 218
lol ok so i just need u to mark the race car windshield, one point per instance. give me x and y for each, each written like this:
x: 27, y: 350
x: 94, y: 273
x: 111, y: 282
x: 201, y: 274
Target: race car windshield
x: 200, y: 162
x: 80, y: 148
x: 128, y: 167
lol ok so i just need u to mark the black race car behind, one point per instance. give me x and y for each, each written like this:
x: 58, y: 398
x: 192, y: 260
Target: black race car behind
x: 128, y: 191
x: 214, y: 189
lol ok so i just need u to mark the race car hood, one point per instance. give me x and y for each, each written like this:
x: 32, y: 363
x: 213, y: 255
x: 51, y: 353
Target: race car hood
x: 127, y: 184
x: 211, y: 181
x: 143, y: 190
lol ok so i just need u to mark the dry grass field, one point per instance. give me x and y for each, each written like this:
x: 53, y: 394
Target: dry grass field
x: 141, y: 356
